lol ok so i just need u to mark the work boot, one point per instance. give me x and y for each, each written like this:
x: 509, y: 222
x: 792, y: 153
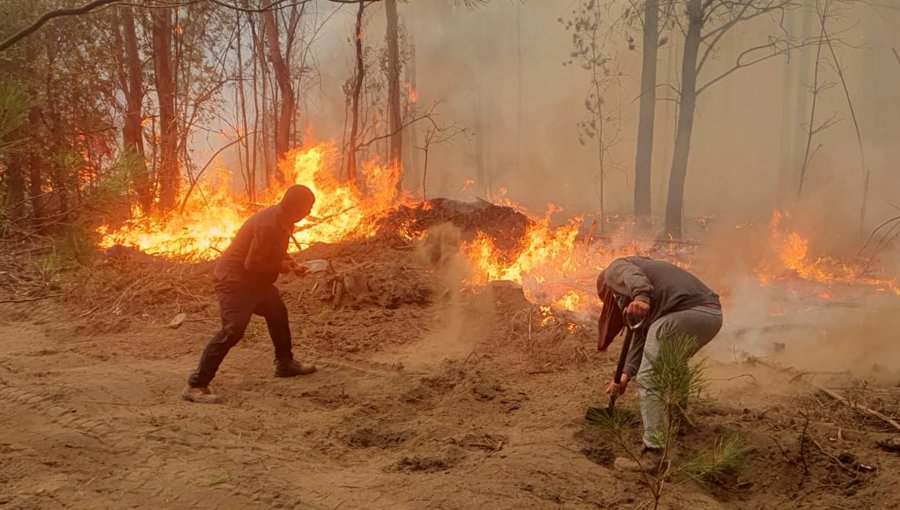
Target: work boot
x: 200, y: 395
x: 290, y: 368
x: 648, y: 462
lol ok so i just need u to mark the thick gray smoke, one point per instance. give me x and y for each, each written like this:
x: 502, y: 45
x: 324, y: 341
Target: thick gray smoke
x: 498, y: 70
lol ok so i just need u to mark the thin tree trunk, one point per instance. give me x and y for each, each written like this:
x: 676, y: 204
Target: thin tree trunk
x: 862, y: 155
x: 812, y: 114
x: 242, y: 102
x: 395, y: 151
x: 787, y: 123
x: 518, y: 149
x: 285, y: 87
x: 168, y: 173
x: 644, y: 156
x: 35, y: 177
x: 132, y: 131
x: 261, y: 72
x: 357, y: 91
x: 804, y: 63
x: 688, y: 103
x: 15, y: 187
x: 254, y: 157
x: 412, y: 140
x: 482, y: 146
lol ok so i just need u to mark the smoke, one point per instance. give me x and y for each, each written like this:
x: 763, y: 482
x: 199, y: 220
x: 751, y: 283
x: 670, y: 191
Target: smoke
x: 498, y: 70
x: 462, y: 322
x: 855, y: 335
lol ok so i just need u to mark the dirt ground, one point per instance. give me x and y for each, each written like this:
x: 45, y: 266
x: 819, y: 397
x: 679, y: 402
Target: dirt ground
x: 426, y: 397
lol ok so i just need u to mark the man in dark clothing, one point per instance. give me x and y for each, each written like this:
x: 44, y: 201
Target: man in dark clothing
x: 669, y: 301
x: 244, y: 278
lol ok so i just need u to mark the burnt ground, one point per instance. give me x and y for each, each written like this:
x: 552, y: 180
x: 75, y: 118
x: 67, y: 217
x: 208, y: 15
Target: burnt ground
x: 429, y: 395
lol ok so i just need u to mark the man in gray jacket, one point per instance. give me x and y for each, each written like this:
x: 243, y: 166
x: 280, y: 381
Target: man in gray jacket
x: 669, y: 301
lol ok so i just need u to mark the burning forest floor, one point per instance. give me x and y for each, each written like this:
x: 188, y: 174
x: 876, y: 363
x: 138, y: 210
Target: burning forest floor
x: 432, y: 391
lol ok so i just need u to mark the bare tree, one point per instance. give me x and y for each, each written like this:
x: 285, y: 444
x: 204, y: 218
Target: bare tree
x: 395, y: 118
x: 644, y: 154
x: 357, y: 79
x: 706, y: 23
x: 132, y: 83
x: 280, y: 66
x: 590, y: 35
x: 168, y: 173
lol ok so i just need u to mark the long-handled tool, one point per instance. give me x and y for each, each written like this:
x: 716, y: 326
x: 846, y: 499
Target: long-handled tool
x: 620, y: 366
x: 630, y: 328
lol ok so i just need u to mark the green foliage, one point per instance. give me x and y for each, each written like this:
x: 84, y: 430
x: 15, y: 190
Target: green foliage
x: 675, y: 383
x: 49, y: 266
x: 591, y: 25
x: 727, y: 456
x: 13, y: 107
x: 615, y: 420
x: 126, y: 170
x: 673, y: 380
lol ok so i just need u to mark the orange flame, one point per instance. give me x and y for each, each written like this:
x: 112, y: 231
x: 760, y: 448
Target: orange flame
x: 411, y: 92
x: 792, y: 251
x: 554, y: 268
x: 205, y: 227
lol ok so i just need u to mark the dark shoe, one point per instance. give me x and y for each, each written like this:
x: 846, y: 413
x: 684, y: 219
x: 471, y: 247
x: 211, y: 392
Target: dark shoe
x: 291, y: 368
x: 200, y: 395
x: 648, y: 462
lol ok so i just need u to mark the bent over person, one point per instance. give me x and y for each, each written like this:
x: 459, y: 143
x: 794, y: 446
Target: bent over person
x: 244, y: 278
x: 669, y: 302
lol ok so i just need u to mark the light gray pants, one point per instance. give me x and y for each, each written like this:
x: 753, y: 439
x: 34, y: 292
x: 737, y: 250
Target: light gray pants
x: 702, y: 323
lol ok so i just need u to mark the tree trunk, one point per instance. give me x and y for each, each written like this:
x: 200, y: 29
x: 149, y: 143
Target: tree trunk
x: 15, y: 187
x: 678, y: 174
x: 359, y: 76
x: 169, y: 176
x: 483, y: 57
x: 283, y: 78
x: 644, y: 156
x: 241, y: 100
x: 35, y: 177
x: 260, y: 101
x: 132, y: 132
x: 395, y: 120
x: 412, y: 137
x: 804, y: 61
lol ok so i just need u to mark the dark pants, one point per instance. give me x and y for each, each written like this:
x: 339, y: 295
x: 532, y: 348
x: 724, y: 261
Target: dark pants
x: 237, y: 303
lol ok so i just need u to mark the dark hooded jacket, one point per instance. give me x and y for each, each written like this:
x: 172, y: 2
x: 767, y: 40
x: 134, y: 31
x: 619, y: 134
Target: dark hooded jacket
x: 255, y: 254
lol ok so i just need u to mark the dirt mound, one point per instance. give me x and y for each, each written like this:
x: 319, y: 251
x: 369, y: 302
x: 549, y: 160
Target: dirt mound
x: 504, y: 225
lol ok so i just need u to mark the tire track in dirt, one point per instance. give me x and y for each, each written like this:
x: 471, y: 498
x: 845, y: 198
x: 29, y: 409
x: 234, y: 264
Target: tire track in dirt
x: 60, y: 415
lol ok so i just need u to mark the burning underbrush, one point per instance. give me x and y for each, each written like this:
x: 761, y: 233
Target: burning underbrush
x: 405, y: 266
x: 410, y: 278
x: 556, y: 261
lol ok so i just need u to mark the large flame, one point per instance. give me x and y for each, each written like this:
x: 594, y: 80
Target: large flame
x: 205, y: 226
x: 555, y: 266
x: 794, y: 261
